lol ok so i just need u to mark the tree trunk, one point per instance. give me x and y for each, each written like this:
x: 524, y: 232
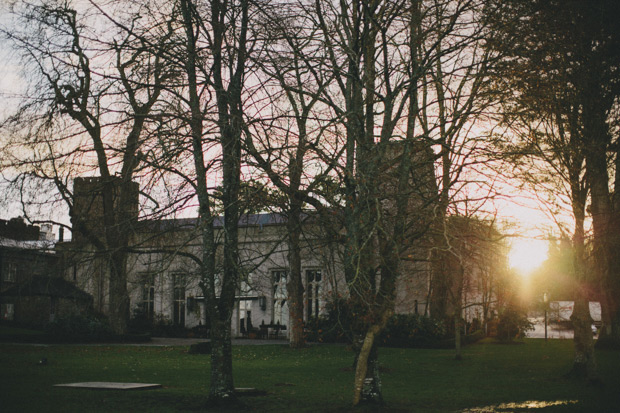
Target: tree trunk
x: 118, y: 218
x: 610, y: 335
x: 371, y: 393
x: 614, y: 245
x: 600, y: 221
x: 584, y: 365
x: 229, y: 126
x: 119, y: 297
x: 221, y: 390
x: 602, y: 211
x: 367, y: 388
x: 125, y: 215
x: 457, y: 335
x: 440, y: 282
x: 295, y: 287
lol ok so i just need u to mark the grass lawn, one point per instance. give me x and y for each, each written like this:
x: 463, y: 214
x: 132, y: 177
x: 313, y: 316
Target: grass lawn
x: 318, y: 378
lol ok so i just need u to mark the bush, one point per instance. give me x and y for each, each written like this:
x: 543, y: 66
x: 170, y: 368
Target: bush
x: 338, y: 325
x: 512, y: 324
x: 325, y: 330
x: 78, y: 327
x: 474, y: 337
x: 199, y: 331
x: 167, y: 329
x: 412, y: 330
x: 159, y: 327
x: 403, y: 330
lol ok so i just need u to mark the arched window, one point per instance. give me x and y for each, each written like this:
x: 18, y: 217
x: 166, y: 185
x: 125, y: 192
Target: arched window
x: 313, y: 293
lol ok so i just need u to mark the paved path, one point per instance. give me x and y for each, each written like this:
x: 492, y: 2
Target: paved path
x: 168, y: 341
x: 163, y: 342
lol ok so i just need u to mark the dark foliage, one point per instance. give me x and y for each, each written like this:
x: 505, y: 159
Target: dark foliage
x: 402, y: 330
x: 412, y: 330
x: 82, y: 328
x: 158, y: 327
x: 512, y: 324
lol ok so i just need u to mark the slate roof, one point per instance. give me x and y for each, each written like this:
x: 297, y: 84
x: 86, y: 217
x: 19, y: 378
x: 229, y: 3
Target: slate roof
x: 39, y: 245
x: 40, y: 285
x: 247, y: 220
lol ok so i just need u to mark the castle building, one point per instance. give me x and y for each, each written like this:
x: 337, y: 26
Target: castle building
x: 163, y: 278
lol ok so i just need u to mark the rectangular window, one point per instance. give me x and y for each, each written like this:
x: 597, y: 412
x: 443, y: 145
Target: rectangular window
x: 178, y: 299
x: 8, y: 311
x: 313, y: 291
x: 11, y: 273
x: 245, y: 289
x: 148, y: 295
x: 279, y: 296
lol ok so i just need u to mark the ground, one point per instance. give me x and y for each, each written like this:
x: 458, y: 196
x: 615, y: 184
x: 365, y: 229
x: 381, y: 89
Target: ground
x: 491, y: 377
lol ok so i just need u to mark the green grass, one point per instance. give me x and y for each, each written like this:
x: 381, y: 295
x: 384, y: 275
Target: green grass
x: 318, y: 378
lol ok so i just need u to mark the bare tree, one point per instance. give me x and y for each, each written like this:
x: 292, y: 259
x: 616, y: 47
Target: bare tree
x: 474, y: 262
x: 292, y: 146
x: 574, y: 47
x: 379, y: 69
x: 551, y: 141
x: 216, y: 45
x: 88, y: 114
x: 368, y: 76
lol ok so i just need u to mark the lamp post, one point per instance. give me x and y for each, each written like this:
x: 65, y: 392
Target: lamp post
x: 545, y: 298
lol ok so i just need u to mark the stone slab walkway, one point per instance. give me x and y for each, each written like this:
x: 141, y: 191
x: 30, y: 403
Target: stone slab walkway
x: 106, y: 385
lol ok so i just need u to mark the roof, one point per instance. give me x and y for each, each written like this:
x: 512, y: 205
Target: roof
x: 40, y: 245
x: 247, y: 220
x: 40, y: 285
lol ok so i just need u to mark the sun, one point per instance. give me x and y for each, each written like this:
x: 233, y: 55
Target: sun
x: 527, y: 254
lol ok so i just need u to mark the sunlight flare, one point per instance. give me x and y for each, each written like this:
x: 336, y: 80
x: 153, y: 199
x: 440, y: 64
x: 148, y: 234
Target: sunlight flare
x: 527, y: 254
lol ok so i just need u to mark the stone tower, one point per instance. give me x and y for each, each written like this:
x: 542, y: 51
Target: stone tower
x: 89, y: 210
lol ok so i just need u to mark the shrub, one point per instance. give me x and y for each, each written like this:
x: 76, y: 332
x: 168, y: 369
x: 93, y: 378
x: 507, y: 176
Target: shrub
x: 403, y: 330
x: 412, y: 330
x: 165, y: 328
x: 158, y: 327
x: 79, y: 327
x: 199, y: 331
x: 337, y: 325
x: 512, y: 324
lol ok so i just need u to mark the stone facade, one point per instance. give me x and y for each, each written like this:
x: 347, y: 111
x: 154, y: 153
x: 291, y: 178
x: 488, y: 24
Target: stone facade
x: 163, y: 279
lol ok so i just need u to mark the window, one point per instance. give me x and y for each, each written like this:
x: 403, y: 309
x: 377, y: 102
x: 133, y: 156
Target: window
x: 178, y: 299
x: 245, y: 289
x: 148, y: 295
x: 313, y: 290
x: 279, y: 296
x: 8, y: 311
x: 11, y: 273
